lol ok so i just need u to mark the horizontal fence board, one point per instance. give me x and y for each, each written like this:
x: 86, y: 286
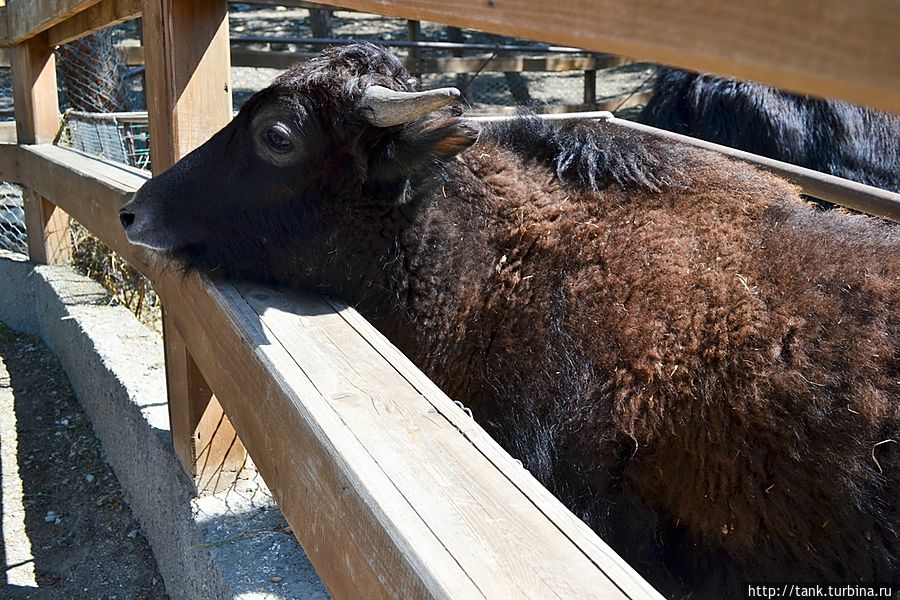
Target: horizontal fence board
x: 271, y: 59
x: 100, y: 16
x: 394, y: 421
x: 829, y: 48
x: 27, y: 18
x: 337, y: 421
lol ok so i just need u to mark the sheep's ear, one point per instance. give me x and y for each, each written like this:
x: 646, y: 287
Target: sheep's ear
x: 439, y: 138
x: 406, y: 153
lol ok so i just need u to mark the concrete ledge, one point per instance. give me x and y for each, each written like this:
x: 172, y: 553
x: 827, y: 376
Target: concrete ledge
x: 234, y: 544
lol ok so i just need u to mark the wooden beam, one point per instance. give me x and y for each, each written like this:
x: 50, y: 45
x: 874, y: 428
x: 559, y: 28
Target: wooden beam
x: 4, y: 30
x: 28, y: 18
x: 188, y: 75
x: 390, y: 488
x: 269, y: 59
x: 188, y: 90
x: 9, y: 163
x: 100, y: 16
x: 37, y: 121
x: 830, y: 48
x: 34, y: 91
x: 200, y: 430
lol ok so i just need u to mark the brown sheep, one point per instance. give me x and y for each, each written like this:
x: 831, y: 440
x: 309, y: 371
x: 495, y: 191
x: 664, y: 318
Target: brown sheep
x: 702, y: 366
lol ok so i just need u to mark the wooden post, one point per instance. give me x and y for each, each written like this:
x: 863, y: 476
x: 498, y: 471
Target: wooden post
x: 413, y: 33
x: 590, y: 89
x: 186, y: 52
x: 37, y: 121
x: 455, y: 34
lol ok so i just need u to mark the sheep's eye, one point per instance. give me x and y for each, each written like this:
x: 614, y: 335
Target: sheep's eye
x: 278, y: 139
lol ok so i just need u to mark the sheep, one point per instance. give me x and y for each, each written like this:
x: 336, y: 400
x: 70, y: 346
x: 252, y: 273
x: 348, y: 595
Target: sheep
x: 834, y: 137
x: 698, y: 363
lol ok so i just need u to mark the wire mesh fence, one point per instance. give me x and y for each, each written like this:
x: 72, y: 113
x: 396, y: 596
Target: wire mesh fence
x: 12, y: 219
x: 92, y: 73
x: 119, y: 137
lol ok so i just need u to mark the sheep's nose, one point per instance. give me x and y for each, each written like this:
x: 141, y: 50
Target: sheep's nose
x: 126, y: 217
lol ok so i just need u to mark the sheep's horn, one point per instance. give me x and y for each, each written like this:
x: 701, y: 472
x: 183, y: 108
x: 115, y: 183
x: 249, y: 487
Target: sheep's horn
x: 384, y: 107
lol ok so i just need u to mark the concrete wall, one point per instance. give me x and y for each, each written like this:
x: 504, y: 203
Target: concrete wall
x: 234, y: 544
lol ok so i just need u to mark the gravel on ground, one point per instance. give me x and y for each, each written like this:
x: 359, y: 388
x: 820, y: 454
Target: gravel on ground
x: 67, y: 532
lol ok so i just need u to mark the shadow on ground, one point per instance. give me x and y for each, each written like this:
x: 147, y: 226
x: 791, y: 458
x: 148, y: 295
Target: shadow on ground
x: 66, y: 529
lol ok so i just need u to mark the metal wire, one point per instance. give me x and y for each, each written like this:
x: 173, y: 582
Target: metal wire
x: 92, y: 72
x: 121, y: 137
x: 12, y: 219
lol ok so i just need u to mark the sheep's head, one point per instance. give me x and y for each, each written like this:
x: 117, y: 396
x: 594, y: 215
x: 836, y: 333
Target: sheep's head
x: 341, y: 130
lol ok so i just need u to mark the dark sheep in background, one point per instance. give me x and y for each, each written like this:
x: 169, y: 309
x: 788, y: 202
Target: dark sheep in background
x: 830, y: 136
x: 699, y: 364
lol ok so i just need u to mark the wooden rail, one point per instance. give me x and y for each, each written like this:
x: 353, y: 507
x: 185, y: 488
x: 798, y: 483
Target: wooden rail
x: 843, y: 192
x: 828, y: 48
x: 390, y: 488
x: 273, y: 59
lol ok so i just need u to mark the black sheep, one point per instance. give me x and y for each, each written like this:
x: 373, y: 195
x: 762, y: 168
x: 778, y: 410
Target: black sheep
x: 698, y: 363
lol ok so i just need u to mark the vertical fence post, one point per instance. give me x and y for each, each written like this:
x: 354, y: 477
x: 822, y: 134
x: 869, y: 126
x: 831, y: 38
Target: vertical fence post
x: 187, y: 57
x: 590, y: 89
x: 37, y: 121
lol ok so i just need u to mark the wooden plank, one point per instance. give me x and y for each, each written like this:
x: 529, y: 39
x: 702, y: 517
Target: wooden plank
x: 37, y: 121
x: 100, y: 16
x: 34, y: 91
x: 201, y: 430
x: 268, y: 59
x: 188, y: 90
x: 337, y: 425
x: 4, y: 31
x: 88, y: 187
x: 28, y: 18
x: 9, y: 163
x: 830, y: 48
x: 188, y: 75
x: 394, y: 417
x: 49, y: 239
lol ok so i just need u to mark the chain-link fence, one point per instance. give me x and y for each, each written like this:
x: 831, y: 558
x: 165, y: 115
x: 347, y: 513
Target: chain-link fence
x: 12, y: 219
x: 91, y: 73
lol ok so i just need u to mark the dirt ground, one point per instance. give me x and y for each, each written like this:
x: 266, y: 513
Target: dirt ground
x: 67, y: 532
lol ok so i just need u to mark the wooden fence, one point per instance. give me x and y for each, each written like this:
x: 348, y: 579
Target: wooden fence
x: 391, y: 489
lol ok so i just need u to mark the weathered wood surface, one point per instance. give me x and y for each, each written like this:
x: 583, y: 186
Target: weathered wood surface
x: 829, y: 48
x: 270, y: 59
x: 34, y: 91
x: 4, y: 30
x: 8, y: 132
x: 392, y: 490
x: 104, y: 14
x: 37, y: 121
x: 28, y: 18
x: 9, y: 163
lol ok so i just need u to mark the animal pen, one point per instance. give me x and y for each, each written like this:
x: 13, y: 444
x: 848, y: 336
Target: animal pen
x: 392, y: 490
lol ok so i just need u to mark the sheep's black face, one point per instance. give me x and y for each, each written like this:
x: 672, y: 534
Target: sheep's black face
x: 221, y: 206
x: 266, y: 196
